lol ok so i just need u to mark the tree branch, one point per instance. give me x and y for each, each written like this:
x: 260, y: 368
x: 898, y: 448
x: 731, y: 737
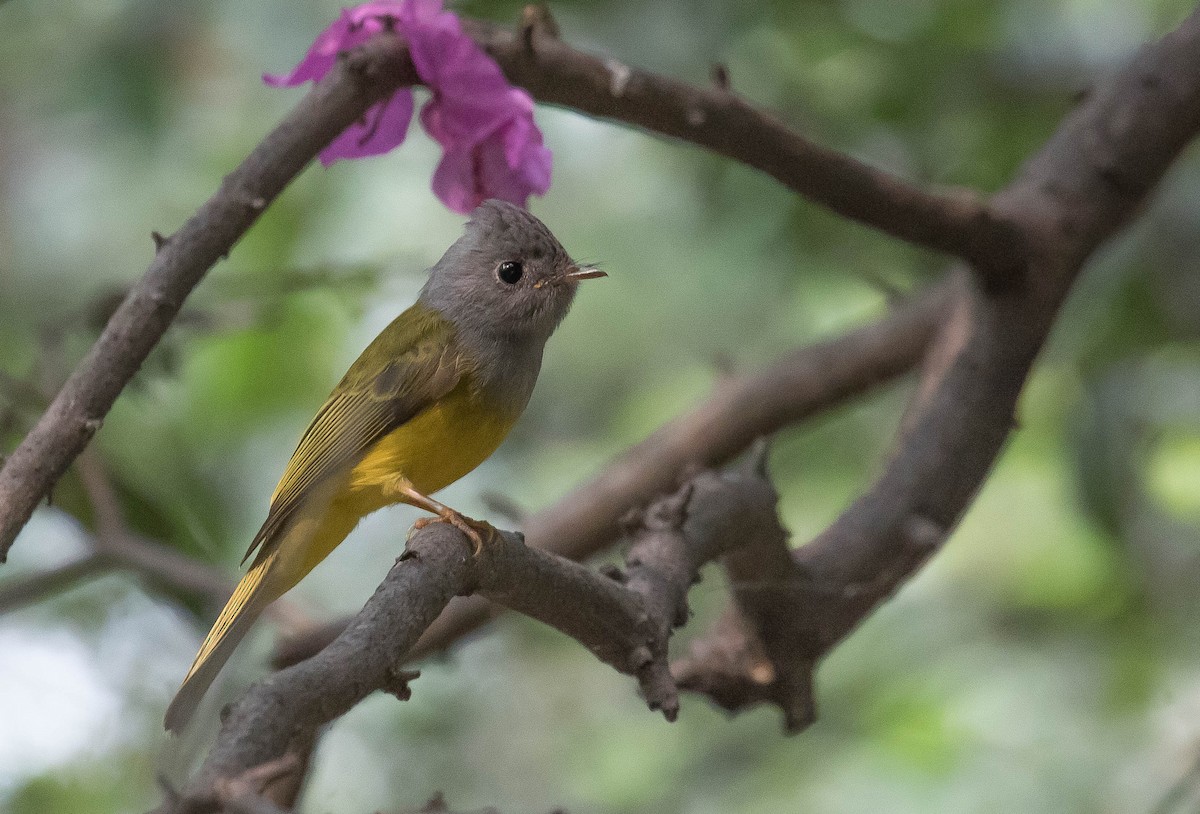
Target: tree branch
x: 17, y: 592
x: 179, y: 264
x: 801, y: 384
x: 624, y: 622
x: 115, y: 547
x: 955, y: 222
x: 1076, y: 191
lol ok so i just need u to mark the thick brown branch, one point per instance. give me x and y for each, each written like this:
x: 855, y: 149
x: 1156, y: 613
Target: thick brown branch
x: 955, y: 221
x: 369, y: 655
x: 625, y: 623
x: 802, y: 383
x: 1130, y: 129
x: 248, y: 794
x: 1077, y: 191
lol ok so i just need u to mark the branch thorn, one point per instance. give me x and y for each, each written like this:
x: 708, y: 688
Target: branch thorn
x: 537, y: 23
x: 922, y: 533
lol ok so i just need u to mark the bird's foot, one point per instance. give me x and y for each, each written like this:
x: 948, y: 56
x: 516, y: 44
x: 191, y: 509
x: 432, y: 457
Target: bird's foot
x: 468, y: 526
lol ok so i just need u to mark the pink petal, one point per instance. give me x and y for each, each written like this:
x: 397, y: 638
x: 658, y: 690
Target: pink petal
x: 381, y: 129
x: 492, y: 147
x: 450, y: 61
x: 420, y: 12
x: 454, y: 182
x: 470, y: 91
x: 514, y: 164
x: 352, y: 28
x: 466, y: 178
x: 461, y: 121
x: 521, y: 130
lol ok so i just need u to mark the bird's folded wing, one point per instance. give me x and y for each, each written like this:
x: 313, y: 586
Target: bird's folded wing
x: 408, y: 367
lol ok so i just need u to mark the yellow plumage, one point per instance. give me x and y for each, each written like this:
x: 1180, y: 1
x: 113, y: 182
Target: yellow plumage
x: 349, y: 463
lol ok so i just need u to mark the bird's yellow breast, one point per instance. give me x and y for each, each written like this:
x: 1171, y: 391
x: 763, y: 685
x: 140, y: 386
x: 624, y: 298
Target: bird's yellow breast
x: 435, y: 447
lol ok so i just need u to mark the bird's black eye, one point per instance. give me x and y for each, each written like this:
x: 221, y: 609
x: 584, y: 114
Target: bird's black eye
x: 510, y: 272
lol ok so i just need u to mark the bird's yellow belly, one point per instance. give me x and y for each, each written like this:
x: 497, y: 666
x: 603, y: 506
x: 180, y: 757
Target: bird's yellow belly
x: 432, y: 449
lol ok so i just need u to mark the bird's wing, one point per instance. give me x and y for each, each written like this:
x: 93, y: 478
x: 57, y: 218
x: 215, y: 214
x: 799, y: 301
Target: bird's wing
x: 410, y: 365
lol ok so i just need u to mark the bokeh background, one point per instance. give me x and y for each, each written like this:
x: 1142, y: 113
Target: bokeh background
x: 1046, y: 661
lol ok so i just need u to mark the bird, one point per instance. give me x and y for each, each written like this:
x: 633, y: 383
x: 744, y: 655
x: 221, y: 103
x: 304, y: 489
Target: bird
x: 428, y: 400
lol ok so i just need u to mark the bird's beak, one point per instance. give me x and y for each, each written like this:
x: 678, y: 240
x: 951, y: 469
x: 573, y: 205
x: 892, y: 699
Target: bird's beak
x: 584, y: 273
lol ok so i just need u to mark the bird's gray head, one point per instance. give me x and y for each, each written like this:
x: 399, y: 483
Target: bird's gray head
x: 506, y: 277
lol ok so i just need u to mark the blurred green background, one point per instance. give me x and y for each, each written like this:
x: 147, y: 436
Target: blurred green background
x: 1045, y: 662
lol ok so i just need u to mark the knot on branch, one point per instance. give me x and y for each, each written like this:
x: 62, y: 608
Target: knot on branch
x: 252, y: 790
x: 437, y: 805
x: 720, y: 76
x: 922, y: 534
x: 730, y: 666
x: 613, y: 572
x: 397, y: 681
x: 379, y: 65
x: 998, y: 251
x: 669, y: 513
x: 658, y: 687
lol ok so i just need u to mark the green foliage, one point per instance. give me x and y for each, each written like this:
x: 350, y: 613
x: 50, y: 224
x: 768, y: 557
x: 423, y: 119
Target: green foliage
x: 1044, y: 662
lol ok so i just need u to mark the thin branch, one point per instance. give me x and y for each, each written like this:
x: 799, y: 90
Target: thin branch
x: 437, y: 805
x: 17, y: 592
x: 148, y: 558
x: 115, y: 547
x: 179, y: 264
x: 803, y: 383
x: 140, y: 555
x: 106, y: 508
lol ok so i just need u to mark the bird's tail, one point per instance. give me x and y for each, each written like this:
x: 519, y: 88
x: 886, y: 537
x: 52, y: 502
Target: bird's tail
x: 253, y: 593
x: 281, y: 563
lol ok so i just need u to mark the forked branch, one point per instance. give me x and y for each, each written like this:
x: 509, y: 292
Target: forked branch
x: 624, y: 621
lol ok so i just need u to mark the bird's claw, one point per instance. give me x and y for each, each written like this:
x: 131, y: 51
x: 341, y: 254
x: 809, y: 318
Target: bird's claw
x: 466, y: 525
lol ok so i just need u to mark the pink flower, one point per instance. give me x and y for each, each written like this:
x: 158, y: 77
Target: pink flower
x: 492, y: 147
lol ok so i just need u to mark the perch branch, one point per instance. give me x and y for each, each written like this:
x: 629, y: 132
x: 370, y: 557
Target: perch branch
x: 741, y: 408
x: 624, y: 622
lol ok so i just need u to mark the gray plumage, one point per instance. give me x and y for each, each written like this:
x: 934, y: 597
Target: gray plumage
x: 503, y: 326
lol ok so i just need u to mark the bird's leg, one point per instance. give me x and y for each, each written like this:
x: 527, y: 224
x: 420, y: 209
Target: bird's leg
x: 445, y: 514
